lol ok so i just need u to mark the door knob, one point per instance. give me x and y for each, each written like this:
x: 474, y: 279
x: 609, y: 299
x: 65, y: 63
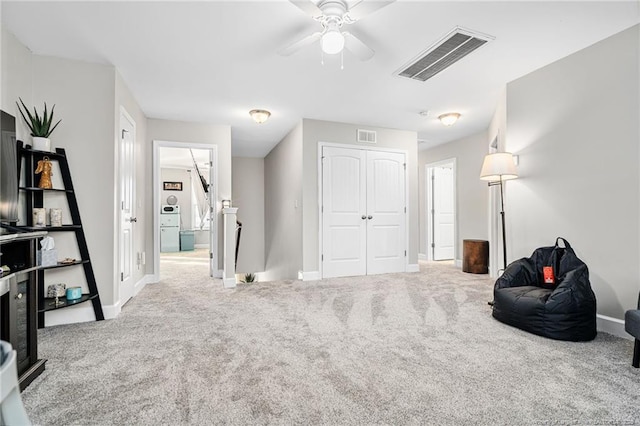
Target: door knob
x: 133, y: 219
x: 363, y: 217
x: 370, y: 217
x: 19, y: 296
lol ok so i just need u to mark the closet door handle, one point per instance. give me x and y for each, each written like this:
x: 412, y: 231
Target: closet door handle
x: 370, y: 217
x: 363, y: 217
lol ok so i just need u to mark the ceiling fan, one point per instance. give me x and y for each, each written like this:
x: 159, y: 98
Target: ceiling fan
x: 332, y: 15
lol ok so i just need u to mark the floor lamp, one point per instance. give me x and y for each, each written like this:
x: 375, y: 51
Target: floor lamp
x: 497, y: 168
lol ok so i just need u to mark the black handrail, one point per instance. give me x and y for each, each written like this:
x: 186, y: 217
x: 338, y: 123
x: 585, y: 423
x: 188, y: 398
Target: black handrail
x: 238, y: 231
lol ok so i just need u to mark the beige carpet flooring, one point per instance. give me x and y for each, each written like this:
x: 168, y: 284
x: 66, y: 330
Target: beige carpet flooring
x: 419, y: 348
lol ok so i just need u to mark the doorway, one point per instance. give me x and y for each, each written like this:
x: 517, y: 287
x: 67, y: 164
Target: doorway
x: 185, y: 207
x: 441, y: 210
x: 363, y: 212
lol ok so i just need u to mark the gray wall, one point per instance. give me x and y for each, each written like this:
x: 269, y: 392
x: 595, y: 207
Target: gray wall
x: 248, y: 196
x: 84, y: 98
x: 283, y: 208
x: 315, y: 131
x: 187, y: 132
x: 575, y: 125
x: 472, y: 194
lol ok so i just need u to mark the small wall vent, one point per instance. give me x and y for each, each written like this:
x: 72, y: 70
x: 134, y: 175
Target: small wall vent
x: 367, y: 136
x: 444, y: 53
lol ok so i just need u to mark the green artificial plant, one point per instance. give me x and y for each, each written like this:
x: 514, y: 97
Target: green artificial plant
x: 249, y: 278
x: 39, y: 126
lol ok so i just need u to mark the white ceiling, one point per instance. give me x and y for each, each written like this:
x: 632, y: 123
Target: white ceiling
x: 214, y: 61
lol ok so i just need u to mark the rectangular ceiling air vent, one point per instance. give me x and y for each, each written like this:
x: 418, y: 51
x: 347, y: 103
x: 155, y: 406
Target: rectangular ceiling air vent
x: 444, y: 53
x: 368, y: 136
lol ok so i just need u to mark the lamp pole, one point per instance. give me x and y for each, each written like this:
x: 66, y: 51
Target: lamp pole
x: 504, y: 232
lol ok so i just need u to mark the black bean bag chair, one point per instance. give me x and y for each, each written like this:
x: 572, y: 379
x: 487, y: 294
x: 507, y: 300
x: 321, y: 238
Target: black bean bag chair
x: 632, y: 326
x: 548, y: 294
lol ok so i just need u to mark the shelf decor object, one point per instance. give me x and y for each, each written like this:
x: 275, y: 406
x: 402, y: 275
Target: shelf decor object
x: 497, y: 168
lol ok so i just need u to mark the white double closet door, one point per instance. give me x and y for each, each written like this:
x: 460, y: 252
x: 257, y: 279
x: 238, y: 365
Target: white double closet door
x: 363, y: 212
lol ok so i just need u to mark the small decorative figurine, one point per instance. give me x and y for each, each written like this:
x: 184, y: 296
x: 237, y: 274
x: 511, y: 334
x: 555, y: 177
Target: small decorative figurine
x: 44, y: 167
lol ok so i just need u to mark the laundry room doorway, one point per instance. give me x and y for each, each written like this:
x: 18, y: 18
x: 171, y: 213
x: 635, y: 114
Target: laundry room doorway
x: 185, y: 208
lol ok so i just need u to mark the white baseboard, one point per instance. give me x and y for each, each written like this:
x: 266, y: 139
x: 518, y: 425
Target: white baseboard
x: 458, y: 263
x: 137, y: 287
x: 229, y: 282
x: 413, y: 267
x: 612, y: 326
x: 309, y: 275
x: 422, y: 256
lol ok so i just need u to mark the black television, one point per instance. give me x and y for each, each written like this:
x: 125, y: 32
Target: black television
x: 9, y: 212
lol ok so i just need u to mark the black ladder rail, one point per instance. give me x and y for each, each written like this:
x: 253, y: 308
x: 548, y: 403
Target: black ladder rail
x: 36, y: 199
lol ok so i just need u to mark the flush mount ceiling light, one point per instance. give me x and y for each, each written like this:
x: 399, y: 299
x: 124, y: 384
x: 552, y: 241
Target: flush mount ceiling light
x: 449, y: 118
x: 259, y: 115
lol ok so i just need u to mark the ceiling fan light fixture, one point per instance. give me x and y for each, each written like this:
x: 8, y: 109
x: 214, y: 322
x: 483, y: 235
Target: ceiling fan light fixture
x: 259, y: 115
x: 332, y: 42
x: 449, y: 119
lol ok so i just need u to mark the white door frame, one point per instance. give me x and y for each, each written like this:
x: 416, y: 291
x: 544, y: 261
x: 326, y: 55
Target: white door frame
x: 321, y: 145
x: 215, y: 216
x: 126, y: 116
x: 429, y: 203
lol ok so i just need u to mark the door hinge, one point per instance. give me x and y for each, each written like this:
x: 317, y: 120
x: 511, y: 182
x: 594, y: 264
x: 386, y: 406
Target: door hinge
x: 210, y: 255
x: 322, y: 257
x: 404, y: 165
x: 405, y: 253
x: 405, y: 209
x: 123, y: 132
x: 121, y: 276
x: 433, y: 245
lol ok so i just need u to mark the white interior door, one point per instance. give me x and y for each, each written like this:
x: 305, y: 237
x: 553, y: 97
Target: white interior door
x: 343, y: 212
x: 443, y: 213
x: 363, y: 212
x: 386, y: 216
x: 127, y: 206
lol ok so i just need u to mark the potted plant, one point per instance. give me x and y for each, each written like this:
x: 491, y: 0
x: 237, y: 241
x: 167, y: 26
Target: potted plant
x: 40, y: 126
x: 249, y: 278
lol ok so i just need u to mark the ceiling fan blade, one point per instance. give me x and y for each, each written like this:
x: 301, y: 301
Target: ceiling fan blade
x: 308, y: 7
x: 354, y: 45
x: 293, y: 48
x: 366, y: 7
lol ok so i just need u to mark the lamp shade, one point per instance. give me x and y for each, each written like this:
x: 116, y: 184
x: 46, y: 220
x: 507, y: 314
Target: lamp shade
x: 498, y: 166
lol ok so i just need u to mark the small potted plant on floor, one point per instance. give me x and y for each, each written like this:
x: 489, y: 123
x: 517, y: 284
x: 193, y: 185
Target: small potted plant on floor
x: 40, y: 126
x: 249, y: 278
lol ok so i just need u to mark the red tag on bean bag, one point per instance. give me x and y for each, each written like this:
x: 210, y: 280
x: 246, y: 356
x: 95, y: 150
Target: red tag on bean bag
x: 547, y: 273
